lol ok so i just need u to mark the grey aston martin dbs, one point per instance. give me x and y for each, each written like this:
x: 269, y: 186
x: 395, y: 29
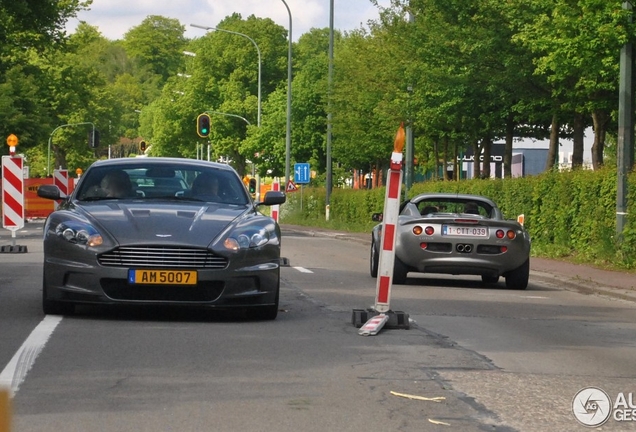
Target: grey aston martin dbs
x: 458, y: 235
x: 161, y: 231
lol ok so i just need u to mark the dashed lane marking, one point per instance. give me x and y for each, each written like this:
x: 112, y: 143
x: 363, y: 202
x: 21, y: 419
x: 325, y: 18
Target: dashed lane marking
x: 303, y: 270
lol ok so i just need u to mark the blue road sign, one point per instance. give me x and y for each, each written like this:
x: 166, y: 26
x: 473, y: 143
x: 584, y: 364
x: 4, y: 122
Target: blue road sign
x: 301, y: 173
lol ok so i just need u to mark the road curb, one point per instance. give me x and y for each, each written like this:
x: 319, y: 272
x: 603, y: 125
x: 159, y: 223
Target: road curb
x: 585, y: 286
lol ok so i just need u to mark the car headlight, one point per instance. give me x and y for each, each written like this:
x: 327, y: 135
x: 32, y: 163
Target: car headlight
x: 247, y: 240
x: 79, y: 233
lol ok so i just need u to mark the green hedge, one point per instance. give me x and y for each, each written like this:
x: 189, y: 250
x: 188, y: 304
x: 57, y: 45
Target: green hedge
x: 569, y: 214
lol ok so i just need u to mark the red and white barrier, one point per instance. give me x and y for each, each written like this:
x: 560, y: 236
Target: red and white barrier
x: 60, y: 179
x: 373, y: 326
x: 276, y: 208
x: 12, y: 193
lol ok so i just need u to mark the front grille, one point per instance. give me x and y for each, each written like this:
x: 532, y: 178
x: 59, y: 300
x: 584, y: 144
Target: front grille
x: 161, y: 256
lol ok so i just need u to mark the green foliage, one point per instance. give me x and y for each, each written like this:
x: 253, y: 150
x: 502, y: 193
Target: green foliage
x: 35, y: 23
x: 157, y: 44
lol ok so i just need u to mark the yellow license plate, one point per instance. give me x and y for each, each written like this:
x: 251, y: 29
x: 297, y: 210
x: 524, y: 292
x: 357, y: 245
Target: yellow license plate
x: 162, y: 277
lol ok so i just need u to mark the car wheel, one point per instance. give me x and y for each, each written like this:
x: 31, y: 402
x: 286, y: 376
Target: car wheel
x: 54, y: 307
x: 399, y: 272
x: 489, y: 279
x: 374, y: 260
x: 518, y: 278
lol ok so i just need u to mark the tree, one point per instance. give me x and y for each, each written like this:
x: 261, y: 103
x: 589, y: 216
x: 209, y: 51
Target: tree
x: 577, y: 46
x: 157, y: 45
x: 35, y: 23
x: 368, y: 93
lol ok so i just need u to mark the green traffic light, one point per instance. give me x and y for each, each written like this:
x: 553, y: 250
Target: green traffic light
x: 203, y: 125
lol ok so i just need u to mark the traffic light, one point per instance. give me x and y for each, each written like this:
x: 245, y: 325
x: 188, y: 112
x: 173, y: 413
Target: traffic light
x: 93, y: 138
x: 142, y: 146
x: 203, y: 125
x: 252, y: 186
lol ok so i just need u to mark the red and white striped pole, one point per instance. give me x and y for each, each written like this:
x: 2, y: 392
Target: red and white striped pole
x: 276, y: 208
x: 389, y: 224
x: 389, y: 231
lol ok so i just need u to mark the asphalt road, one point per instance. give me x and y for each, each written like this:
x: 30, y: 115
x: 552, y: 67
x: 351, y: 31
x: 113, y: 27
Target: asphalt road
x: 502, y: 360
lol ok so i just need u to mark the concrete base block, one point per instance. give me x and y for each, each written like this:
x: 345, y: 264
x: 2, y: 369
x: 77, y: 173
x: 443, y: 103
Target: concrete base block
x: 13, y: 249
x: 397, y: 319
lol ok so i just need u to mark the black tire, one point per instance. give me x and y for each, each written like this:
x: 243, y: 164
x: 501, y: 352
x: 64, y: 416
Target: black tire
x: 399, y: 272
x: 54, y: 307
x: 489, y: 279
x: 517, y: 279
x: 374, y: 260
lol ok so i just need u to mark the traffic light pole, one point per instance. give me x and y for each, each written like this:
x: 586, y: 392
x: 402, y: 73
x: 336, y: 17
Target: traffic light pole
x: 48, y: 157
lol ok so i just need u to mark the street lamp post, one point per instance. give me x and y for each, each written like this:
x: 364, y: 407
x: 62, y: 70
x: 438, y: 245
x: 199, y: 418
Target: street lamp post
x: 329, y: 117
x: 229, y: 115
x: 289, y: 82
x: 625, y: 142
x: 258, y: 122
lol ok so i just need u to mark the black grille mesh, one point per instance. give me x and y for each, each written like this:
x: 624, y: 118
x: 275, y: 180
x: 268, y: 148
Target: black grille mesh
x: 161, y: 256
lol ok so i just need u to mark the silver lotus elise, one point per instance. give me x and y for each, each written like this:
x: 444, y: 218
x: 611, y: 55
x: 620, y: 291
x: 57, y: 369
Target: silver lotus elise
x: 457, y: 235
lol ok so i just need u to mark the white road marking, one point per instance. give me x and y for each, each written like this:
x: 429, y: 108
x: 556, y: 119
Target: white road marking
x: 303, y: 270
x: 15, y: 371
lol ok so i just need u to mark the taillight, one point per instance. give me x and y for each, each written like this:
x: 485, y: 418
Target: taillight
x: 503, y: 249
x: 417, y: 230
x: 423, y: 245
x: 429, y: 230
x: 511, y: 234
x: 500, y: 234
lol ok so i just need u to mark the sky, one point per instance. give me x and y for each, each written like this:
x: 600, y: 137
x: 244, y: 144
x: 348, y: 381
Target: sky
x: 114, y: 18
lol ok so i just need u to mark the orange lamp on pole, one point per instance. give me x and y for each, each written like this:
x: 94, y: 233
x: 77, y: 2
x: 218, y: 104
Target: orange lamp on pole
x: 12, y: 142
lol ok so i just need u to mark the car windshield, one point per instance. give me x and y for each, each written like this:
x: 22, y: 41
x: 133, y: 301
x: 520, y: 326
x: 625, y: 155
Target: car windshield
x: 454, y: 206
x: 152, y: 182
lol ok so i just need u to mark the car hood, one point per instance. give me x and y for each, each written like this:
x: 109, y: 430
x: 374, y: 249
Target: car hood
x: 194, y: 224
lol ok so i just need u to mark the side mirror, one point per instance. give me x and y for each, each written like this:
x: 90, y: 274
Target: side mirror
x: 49, y: 192
x: 273, y: 198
